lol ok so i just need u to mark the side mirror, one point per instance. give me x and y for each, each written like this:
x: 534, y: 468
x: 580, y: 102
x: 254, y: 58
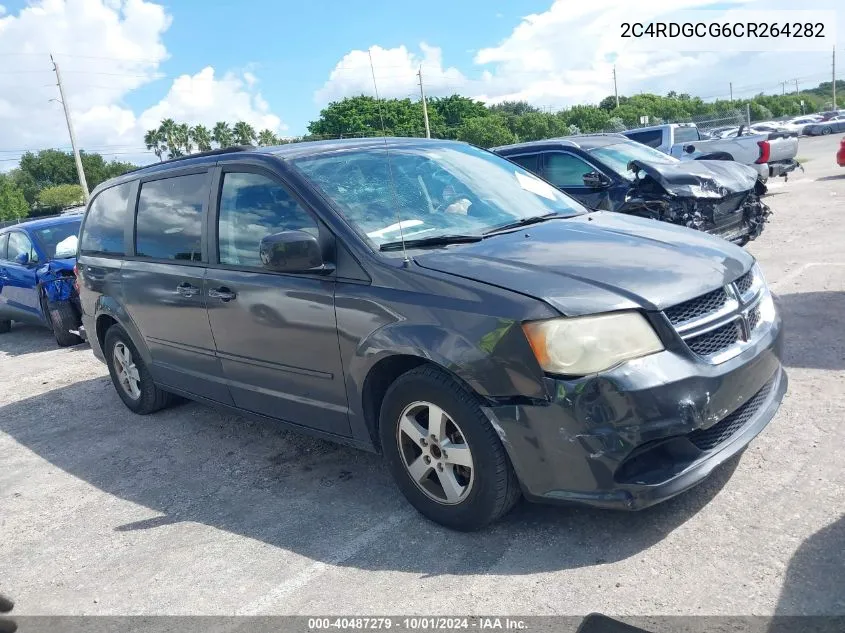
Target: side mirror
x: 22, y: 259
x: 595, y: 180
x: 292, y: 252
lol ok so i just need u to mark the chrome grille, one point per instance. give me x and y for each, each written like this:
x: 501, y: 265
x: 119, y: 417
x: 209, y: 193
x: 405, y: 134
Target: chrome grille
x: 708, y: 439
x: 718, y: 325
x: 697, y: 308
x: 715, y: 341
x: 744, y: 283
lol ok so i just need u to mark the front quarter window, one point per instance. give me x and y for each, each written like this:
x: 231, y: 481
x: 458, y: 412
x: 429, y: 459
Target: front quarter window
x: 433, y: 190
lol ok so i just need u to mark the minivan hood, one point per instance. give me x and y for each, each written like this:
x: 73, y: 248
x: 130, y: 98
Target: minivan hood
x: 700, y: 178
x: 597, y: 262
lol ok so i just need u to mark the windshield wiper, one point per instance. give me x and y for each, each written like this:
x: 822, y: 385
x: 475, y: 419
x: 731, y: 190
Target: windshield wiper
x: 534, y: 219
x: 434, y: 240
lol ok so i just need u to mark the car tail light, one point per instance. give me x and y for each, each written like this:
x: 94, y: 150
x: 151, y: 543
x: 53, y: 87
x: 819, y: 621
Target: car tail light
x: 765, y: 152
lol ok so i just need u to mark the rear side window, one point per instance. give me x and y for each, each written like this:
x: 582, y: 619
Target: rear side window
x: 253, y: 206
x: 529, y: 161
x: 652, y: 138
x: 105, y: 222
x: 169, y: 222
x: 685, y: 134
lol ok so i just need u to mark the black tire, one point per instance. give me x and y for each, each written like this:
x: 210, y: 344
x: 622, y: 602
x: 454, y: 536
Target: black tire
x: 5, y: 326
x: 827, y: 130
x: 151, y: 398
x: 495, y: 489
x: 63, y: 318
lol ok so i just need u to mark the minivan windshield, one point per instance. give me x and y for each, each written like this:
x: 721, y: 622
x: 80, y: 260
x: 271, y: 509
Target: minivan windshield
x: 436, y: 191
x: 618, y: 155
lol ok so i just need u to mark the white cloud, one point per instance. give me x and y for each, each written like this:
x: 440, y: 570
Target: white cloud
x: 396, y: 74
x: 565, y: 55
x: 105, y: 49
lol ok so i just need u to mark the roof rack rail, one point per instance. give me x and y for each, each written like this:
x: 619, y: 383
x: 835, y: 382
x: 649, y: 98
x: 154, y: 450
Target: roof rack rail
x: 212, y: 152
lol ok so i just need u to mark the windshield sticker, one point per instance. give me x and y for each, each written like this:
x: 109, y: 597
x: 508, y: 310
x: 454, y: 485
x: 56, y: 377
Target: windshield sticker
x: 536, y: 186
x: 404, y: 224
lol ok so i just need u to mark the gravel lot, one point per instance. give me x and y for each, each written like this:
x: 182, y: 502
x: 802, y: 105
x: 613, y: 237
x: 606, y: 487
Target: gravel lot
x: 190, y: 511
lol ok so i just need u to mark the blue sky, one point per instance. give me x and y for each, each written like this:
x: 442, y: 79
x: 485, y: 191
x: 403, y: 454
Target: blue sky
x: 130, y: 63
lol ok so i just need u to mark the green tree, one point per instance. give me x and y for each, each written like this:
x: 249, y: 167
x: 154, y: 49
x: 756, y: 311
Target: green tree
x: 486, y: 131
x: 169, y: 133
x: 266, y: 137
x: 183, y: 138
x: 202, y: 137
x: 244, y: 133
x: 154, y: 140
x: 13, y: 204
x: 222, y: 134
x: 60, y: 197
x: 514, y: 108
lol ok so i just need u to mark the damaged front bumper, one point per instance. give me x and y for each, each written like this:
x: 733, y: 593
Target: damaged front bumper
x: 784, y: 168
x: 644, y: 431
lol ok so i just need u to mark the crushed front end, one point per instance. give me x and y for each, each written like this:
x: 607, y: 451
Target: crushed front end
x: 653, y: 427
x: 718, y: 197
x: 58, y: 280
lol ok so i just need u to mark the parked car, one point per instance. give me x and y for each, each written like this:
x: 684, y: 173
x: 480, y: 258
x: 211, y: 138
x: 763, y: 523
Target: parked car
x: 771, y: 154
x: 835, y: 124
x: 799, y: 123
x: 840, y: 155
x: 441, y: 305
x: 37, y: 276
x: 609, y: 172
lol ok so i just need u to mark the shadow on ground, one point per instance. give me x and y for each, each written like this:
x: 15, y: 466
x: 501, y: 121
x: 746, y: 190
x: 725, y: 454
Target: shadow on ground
x: 813, y: 329
x: 814, y: 577
x: 30, y: 339
x: 834, y: 177
x: 314, y: 498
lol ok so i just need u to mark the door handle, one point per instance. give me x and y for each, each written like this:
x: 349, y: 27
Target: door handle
x: 187, y: 290
x: 222, y: 293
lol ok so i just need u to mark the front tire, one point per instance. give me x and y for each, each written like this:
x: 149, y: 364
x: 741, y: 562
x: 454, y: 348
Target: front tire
x: 443, y: 453
x: 827, y: 130
x: 130, y: 376
x: 62, y: 318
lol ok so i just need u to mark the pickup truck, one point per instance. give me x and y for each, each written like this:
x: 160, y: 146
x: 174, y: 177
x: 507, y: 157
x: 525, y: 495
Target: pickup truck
x: 771, y: 155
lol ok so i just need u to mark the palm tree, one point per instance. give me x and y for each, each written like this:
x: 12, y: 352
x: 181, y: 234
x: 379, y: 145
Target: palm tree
x: 266, y: 137
x: 202, y: 137
x: 154, y: 140
x: 222, y: 134
x: 183, y: 137
x: 167, y: 131
x: 244, y: 133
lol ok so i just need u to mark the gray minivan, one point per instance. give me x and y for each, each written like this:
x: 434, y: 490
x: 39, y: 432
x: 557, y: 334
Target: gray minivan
x: 437, y: 303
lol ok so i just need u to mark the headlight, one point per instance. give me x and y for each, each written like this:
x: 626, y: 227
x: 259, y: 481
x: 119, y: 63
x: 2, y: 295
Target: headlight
x: 585, y: 345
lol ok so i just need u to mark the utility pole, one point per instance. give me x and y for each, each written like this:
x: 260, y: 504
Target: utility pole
x: 80, y: 172
x: 796, y: 86
x: 834, y: 77
x: 783, y: 86
x: 731, y: 84
x: 425, y: 107
x: 615, y: 89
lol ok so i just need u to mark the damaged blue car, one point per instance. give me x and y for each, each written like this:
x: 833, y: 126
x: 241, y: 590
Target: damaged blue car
x: 37, y: 277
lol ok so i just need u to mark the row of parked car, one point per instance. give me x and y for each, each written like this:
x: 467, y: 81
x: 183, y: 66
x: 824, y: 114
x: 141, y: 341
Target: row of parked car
x: 807, y: 125
x: 540, y: 321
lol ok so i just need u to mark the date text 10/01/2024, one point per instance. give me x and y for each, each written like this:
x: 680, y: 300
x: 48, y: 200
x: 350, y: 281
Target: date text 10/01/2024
x: 416, y: 623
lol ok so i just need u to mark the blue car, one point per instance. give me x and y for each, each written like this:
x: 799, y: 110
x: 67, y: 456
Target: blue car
x: 37, y: 278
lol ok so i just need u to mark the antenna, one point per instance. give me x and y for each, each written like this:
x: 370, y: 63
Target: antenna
x: 406, y: 261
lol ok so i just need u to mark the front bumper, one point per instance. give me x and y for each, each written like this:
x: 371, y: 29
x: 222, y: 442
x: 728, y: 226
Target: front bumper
x: 644, y: 431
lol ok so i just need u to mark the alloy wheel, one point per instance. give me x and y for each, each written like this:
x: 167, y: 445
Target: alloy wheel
x: 435, y: 453
x: 127, y: 372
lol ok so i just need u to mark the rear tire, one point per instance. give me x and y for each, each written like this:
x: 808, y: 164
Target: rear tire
x: 130, y: 376
x: 5, y: 326
x: 63, y: 318
x: 485, y: 491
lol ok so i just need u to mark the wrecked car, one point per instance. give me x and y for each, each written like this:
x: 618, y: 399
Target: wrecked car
x: 609, y: 172
x: 436, y: 303
x: 37, y: 278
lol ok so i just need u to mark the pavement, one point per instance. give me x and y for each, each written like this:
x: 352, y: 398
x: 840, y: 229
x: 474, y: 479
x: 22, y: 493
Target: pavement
x: 190, y: 511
